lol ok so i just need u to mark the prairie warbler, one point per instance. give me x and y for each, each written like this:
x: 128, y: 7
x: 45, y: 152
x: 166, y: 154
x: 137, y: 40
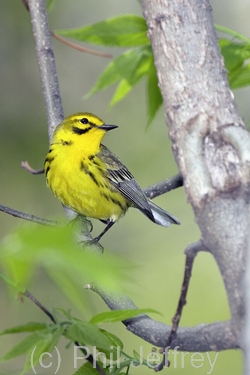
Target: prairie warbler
x: 85, y: 176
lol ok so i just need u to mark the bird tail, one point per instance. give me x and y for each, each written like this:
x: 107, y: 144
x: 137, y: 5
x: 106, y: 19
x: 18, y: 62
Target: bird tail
x: 161, y: 216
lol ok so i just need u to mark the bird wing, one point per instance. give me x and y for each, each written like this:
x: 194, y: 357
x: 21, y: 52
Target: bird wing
x: 120, y: 177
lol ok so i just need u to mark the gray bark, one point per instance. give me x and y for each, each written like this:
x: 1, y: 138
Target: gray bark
x: 210, y: 142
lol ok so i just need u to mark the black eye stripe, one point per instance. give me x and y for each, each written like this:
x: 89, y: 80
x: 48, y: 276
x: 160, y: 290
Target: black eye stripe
x: 80, y: 131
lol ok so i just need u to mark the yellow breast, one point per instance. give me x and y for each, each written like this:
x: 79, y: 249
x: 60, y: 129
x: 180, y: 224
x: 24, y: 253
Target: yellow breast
x: 78, y: 180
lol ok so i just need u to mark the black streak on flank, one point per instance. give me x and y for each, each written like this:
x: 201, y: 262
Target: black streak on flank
x: 67, y: 143
x: 97, y: 164
x: 80, y: 131
x: 104, y: 195
x: 115, y: 201
x: 92, y: 158
x: 49, y: 160
x: 47, y: 170
x: 86, y: 170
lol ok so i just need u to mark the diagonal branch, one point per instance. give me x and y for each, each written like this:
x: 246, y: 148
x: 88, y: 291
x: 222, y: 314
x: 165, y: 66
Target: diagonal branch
x: 203, y: 337
x: 28, y: 217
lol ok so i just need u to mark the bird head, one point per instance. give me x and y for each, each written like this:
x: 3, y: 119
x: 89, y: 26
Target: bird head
x: 81, y: 127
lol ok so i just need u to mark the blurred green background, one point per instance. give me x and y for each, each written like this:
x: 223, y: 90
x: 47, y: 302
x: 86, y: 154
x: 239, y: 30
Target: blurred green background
x: 156, y: 254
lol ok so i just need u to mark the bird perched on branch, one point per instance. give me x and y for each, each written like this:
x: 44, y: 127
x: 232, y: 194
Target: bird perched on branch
x: 88, y: 178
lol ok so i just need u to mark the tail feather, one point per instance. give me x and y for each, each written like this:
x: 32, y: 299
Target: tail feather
x: 161, y: 216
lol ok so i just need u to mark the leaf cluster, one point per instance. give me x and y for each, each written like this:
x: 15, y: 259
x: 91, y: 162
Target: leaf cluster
x: 43, y: 338
x: 31, y: 248
x: 129, y: 67
x: 137, y: 62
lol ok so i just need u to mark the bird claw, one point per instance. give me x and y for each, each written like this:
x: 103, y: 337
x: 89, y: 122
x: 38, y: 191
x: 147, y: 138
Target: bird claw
x: 90, y: 225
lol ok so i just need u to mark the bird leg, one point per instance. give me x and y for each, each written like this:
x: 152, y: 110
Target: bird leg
x: 108, y: 226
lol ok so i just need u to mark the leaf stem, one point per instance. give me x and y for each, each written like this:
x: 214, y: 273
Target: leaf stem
x: 232, y: 32
x: 78, y: 47
x: 12, y: 284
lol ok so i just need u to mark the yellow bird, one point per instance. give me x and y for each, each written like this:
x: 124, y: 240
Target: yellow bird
x: 88, y: 178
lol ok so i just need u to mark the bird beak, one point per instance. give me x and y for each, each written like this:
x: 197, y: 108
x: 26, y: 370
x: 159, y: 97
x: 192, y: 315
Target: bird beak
x: 107, y: 127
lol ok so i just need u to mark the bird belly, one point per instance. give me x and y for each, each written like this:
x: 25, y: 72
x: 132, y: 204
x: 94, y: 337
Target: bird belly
x: 82, y: 187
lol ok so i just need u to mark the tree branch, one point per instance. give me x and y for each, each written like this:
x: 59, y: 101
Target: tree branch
x: 164, y: 186
x: 48, y: 73
x: 204, y: 337
x: 28, y: 217
x: 46, y: 63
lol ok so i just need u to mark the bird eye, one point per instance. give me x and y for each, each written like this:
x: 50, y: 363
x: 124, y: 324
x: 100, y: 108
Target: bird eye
x: 84, y: 120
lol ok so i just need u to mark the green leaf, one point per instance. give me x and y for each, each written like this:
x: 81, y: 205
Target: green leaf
x: 119, y: 315
x: 70, y: 289
x: 122, y: 31
x: 65, y: 313
x: 234, y: 53
x: 22, y: 347
x: 113, y: 340
x: 87, y: 333
x: 137, y: 356
x: 137, y: 70
x: 30, y: 342
x: 242, y: 79
x: 154, y: 97
x: 116, y: 346
x: 46, y: 344
x: 29, y: 327
x: 128, y: 68
x: 236, y: 57
x: 122, y: 90
x: 54, y: 250
x: 87, y: 369
x: 120, y: 68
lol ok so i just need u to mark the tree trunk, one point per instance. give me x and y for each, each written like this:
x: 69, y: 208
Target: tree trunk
x: 210, y: 142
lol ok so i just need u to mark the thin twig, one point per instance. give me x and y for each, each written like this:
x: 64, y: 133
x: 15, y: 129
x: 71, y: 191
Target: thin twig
x: 28, y: 217
x: 38, y: 304
x: 164, y: 186
x: 89, y: 358
x: 191, y: 252
x: 80, y: 48
x: 25, y: 165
